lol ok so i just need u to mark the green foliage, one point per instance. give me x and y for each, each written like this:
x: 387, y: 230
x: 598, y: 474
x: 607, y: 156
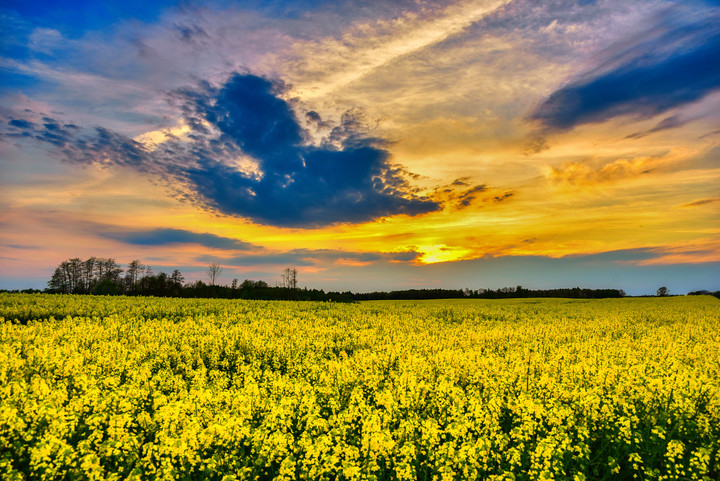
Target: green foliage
x: 147, y: 388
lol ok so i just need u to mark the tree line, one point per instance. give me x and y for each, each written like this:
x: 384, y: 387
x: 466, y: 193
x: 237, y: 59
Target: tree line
x: 104, y: 276
x: 502, y: 293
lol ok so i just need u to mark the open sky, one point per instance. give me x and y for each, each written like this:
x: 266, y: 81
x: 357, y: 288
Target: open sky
x: 371, y: 144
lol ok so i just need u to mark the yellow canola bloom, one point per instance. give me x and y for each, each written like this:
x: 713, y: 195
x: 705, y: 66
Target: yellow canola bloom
x: 149, y: 388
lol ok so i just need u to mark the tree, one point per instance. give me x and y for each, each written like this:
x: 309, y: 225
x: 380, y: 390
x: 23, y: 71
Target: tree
x: 107, y: 287
x: 82, y: 277
x: 289, y: 278
x: 177, y: 278
x: 107, y: 268
x: 663, y: 292
x: 248, y: 285
x: 89, y: 274
x: 214, y: 271
x: 59, y: 282
x: 132, y: 274
x: 74, y: 270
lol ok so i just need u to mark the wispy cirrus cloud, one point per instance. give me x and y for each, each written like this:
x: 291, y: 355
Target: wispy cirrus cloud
x: 368, y: 47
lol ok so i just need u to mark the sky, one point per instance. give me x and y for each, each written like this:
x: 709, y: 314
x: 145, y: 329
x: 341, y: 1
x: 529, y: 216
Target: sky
x: 373, y: 145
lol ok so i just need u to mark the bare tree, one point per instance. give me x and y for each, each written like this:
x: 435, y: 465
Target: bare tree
x: 289, y: 278
x: 72, y: 272
x: 284, y: 278
x: 214, y: 271
x: 78, y: 276
x: 107, y: 268
x: 89, y: 267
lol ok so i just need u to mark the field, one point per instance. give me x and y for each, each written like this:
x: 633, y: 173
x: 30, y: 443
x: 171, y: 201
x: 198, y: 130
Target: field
x: 149, y: 388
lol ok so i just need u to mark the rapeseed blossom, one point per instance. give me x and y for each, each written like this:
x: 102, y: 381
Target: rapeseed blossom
x: 146, y: 388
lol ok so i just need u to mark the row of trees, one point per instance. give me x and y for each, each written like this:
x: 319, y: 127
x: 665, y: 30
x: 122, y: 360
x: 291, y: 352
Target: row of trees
x: 100, y: 275
x: 103, y: 275
x: 502, y: 293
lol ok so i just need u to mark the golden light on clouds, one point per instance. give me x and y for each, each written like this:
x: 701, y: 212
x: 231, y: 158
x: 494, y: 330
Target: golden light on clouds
x: 369, y: 47
x: 156, y: 137
x: 397, y: 135
x: 430, y: 254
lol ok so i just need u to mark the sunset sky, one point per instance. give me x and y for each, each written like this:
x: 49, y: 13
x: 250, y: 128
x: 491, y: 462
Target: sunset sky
x: 374, y: 145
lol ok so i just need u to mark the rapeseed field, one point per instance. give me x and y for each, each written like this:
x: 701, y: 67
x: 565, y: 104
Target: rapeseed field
x: 151, y: 388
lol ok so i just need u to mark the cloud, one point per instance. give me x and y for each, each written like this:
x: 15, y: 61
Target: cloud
x: 667, y: 123
x: 290, y: 258
x: 701, y: 202
x: 20, y: 123
x: 583, y: 174
x: 296, y: 184
x: 363, y: 49
x: 696, y: 251
x: 191, y: 33
x: 347, y: 179
x: 84, y: 146
x: 314, y: 257
x: 460, y: 194
x: 45, y: 40
x: 161, y: 237
x: 21, y: 246
x: 671, y: 64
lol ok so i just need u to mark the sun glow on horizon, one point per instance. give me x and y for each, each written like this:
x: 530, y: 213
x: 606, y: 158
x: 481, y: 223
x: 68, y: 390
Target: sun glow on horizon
x: 379, y: 142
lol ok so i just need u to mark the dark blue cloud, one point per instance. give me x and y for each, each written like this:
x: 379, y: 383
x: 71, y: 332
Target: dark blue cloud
x: 84, y: 146
x: 298, y: 185
x: 672, y: 69
x: 160, y: 237
x: 347, y: 179
x: 248, y: 110
x: 21, y: 124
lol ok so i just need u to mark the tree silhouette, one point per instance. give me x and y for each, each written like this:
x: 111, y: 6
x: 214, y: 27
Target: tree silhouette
x: 214, y: 271
x: 289, y: 278
x: 177, y: 278
x: 663, y: 292
x: 132, y: 275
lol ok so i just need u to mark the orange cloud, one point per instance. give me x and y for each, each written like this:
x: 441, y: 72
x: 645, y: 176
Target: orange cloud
x: 583, y: 174
x: 694, y: 252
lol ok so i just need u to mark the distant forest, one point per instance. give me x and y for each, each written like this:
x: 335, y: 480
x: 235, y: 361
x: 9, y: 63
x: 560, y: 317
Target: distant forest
x: 104, y: 276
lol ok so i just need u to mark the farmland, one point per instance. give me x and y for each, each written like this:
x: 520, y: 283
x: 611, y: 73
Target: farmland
x: 96, y: 387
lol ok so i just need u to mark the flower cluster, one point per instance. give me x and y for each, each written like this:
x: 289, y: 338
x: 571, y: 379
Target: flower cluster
x: 150, y: 388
